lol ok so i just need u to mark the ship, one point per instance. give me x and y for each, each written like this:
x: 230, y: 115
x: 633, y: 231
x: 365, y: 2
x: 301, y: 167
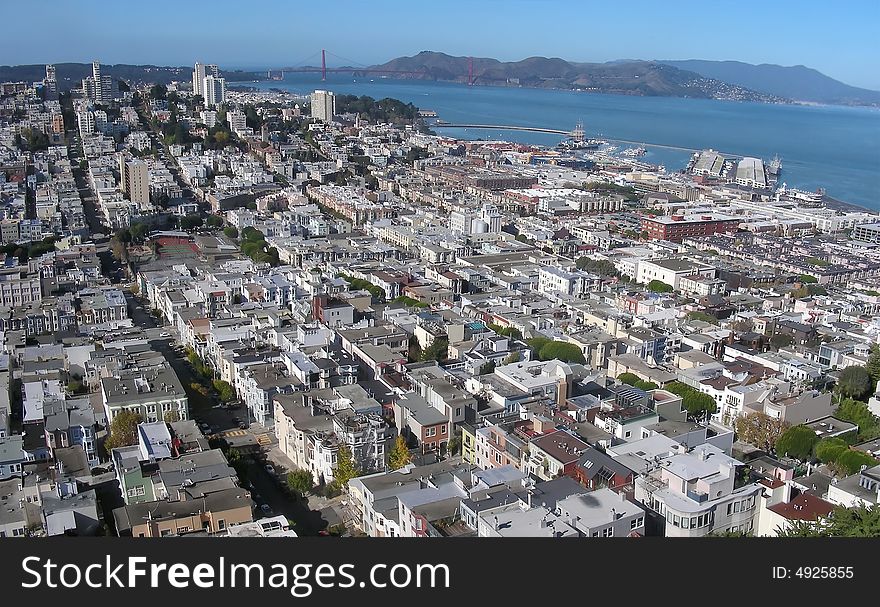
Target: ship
x: 634, y: 152
x: 775, y: 166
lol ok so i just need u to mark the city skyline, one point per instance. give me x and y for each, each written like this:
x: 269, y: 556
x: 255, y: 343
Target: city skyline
x: 786, y: 34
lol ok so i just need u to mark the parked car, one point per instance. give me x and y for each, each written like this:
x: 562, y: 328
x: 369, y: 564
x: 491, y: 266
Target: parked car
x: 242, y: 426
x: 266, y: 508
x: 270, y: 469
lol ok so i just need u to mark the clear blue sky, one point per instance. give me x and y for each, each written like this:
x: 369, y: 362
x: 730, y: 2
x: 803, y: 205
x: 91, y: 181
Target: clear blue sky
x: 839, y: 39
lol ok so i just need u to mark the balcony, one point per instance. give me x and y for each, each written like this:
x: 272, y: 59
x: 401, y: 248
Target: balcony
x: 697, y: 497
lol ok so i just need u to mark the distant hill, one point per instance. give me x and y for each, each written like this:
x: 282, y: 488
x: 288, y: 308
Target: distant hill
x: 798, y: 82
x: 644, y: 78
x: 70, y: 75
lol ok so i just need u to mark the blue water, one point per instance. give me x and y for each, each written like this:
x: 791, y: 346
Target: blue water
x: 837, y: 148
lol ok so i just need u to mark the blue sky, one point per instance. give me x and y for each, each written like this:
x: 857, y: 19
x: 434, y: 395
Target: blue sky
x: 839, y: 39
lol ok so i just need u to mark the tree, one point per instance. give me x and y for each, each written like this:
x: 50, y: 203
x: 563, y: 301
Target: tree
x: 807, y: 279
x: 858, y: 413
x: 862, y: 521
x: 215, y: 221
x: 781, y: 340
x: 873, y: 364
x: 158, y: 91
x: 760, y: 430
x: 563, y: 351
x: 855, y: 382
x: 658, y: 286
x: 399, y: 455
x: 77, y: 387
x: 634, y: 380
x: 300, y: 481
x: 438, y: 350
x: 230, y: 232
x: 123, y: 430
x: 487, y: 368
x: 139, y: 231
x: 828, y: 450
x: 191, y: 221
x: 171, y: 416
x: 224, y: 390
x: 695, y: 402
x: 797, y: 442
x: 851, y: 461
x: 346, y: 468
x: 252, y: 234
x: 513, y: 357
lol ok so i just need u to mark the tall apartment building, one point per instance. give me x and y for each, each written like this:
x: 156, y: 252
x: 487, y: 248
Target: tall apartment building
x: 323, y: 105
x: 98, y: 87
x: 237, y: 120
x: 86, y: 122
x: 134, y: 180
x: 200, y: 72
x: 51, y: 81
x: 214, y: 91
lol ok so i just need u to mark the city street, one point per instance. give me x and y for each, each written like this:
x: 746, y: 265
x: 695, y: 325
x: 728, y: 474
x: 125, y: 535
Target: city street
x: 267, y: 488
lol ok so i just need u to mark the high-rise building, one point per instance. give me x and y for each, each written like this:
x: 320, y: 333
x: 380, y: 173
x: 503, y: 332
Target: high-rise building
x: 215, y: 91
x: 98, y: 87
x: 237, y: 120
x: 323, y: 105
x: 200, y: 72
x: 51, y: 82
x: 86, y: 122
x: 199, y: 79
x: 134, y: 180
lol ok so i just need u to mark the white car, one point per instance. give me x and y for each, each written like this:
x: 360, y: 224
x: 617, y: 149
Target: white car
x: 164, y: 334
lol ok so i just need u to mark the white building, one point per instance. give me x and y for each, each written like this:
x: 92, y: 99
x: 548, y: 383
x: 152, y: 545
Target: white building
x: 323, y: 105
x: 215, y: 91
x: 200, y: 72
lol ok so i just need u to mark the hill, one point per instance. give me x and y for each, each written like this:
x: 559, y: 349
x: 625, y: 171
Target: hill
x: 645, y: 78
x: 797, y: 82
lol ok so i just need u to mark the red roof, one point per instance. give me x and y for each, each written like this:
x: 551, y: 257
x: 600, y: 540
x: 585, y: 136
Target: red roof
x: 804, y: 507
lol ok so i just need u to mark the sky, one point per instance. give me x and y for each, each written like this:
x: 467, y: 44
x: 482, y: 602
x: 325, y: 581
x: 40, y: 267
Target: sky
x: 838, y: 39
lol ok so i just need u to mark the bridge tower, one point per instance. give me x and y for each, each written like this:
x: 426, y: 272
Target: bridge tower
x: 470, y: 71
x: 578, y: 133
x: 323, y: 65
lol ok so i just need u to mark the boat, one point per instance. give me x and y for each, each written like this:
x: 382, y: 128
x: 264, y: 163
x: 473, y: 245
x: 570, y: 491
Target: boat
x: 634, y: 152
x: 775, y: 166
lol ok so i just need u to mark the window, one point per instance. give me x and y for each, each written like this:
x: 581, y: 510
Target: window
x: 736, y: 506
x: 182, y: 530
x: 595, y: 534
x: 221, y: 524
x: 636, y: 523
x: 729, y: 509
x: 627, y: 434
x: 430, y: 431
x: 443, y: 430
x: 608, y: 532
x: 685, y: 524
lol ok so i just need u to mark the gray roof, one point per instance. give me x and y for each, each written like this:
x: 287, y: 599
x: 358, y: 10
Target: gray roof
x: 134, y: 514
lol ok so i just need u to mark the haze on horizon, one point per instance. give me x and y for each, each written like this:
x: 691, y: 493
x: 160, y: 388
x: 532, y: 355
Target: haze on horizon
x: 271, y: 33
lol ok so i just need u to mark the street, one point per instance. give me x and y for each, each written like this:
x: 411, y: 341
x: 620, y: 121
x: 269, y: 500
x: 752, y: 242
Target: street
x: 267, y: 489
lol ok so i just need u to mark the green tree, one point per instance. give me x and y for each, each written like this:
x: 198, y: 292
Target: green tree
x: 873, y: 364
x: 399, y: 455
x: 807, y: 279
x: 855, y: 382
x: 828, y: 450
x: 230, y: 232
x: 123, y: 430
x: 759, y: 429
x: 215, y: 221
x: 300, y: 481
x: 77, y: 387
x: 851, y: 461
x: 191, y: 221
x: 858, y: 413
x: 781, y: 340
x: 862, y: 521
x: 695, y: 402
x: 438, y: 350
x: 797, y: 442
x: 171, y: 416
x: 513, y: 357
x: 224, y: 390
x: 252, y: 234
x: 346, y: 468
x: 487, y: 368
x: 158, y: 91
x: 139, y: 231
x: 658, y: 286
x: 561, y: 350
